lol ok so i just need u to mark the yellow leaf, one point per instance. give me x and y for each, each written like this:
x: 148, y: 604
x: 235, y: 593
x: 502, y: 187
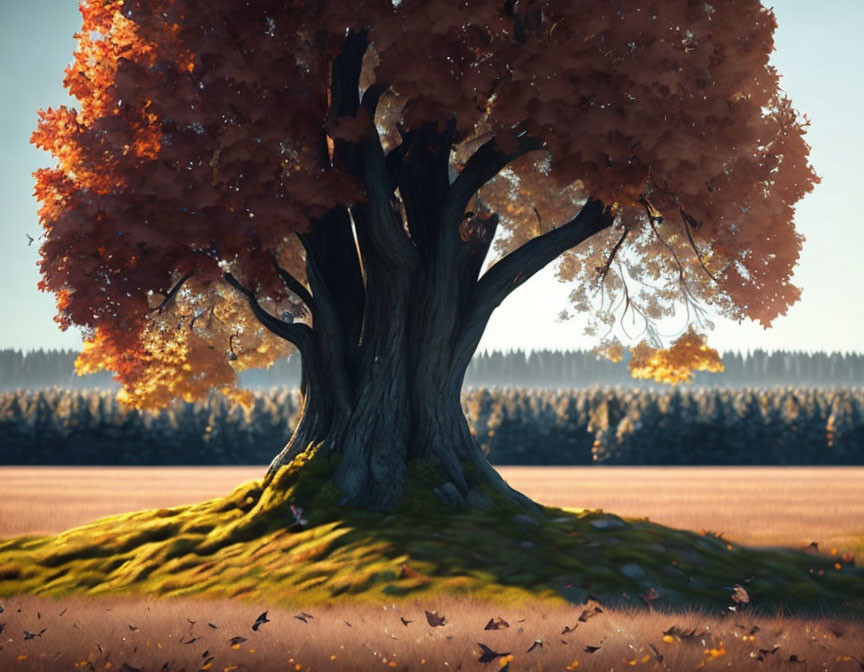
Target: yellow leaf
x: 716, y: 652
x: 675, y: 364
x: 668, y: 639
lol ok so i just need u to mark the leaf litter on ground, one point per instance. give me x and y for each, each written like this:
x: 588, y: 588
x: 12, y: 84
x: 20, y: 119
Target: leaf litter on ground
x: 613, y: 637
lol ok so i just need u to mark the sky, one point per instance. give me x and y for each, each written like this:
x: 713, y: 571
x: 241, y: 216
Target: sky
x: 819, y: 54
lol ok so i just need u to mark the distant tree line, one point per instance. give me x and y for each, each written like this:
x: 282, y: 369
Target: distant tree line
x: 539, y: 369
x: 782, y: 426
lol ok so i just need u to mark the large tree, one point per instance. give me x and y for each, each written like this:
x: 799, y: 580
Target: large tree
x: 245, y: 178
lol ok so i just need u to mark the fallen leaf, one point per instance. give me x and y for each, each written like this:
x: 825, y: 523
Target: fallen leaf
x: 740, y: 595
x: 261, y: 620
x: 496, y: 624
x: 31, y: 635
x: 678, y: 632
x: 488, y: 654
x: 589, y: 613
x: 434, y: 619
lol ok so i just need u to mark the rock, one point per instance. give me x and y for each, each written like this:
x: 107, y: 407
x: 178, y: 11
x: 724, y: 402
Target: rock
x: 528, y: 544
x: 525, y: 519
x: 676, y: 573
x: 477, y: 500
x: 632, y: 571
x: 607, y: 523
x: 449, y: 496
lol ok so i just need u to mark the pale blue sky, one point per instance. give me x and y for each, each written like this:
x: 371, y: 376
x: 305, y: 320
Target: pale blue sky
x: 819, y: 53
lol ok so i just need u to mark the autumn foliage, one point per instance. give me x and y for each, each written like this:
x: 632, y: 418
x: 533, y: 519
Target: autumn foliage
x: 207, y: 134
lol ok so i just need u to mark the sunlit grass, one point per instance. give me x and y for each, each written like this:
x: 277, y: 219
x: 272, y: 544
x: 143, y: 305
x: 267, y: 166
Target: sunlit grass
x: 245, y: 546
x: 110, y: 633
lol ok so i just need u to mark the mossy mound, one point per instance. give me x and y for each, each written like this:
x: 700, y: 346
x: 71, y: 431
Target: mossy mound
x: 249, y: 546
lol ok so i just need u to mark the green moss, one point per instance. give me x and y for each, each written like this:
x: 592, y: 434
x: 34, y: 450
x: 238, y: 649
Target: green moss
x: 418, y: 498
x: 242, y: 546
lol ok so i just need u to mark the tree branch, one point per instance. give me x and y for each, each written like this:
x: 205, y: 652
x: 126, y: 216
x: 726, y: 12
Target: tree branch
x: 295, y: 286
x: 345, y: 75
x: 517, y: 267
x: 424, y: 185
x: 171, y: 294
x: 514, y: 269
x: 483, y: 165
x: 345, y: 94
x: 604, y: 269
x: 383, y: 226
x: 481, y: 234
x: 297, y: 333
x: 370, y: 99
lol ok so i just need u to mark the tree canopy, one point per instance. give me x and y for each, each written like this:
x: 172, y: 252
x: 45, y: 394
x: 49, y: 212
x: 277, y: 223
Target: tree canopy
x: 208, y: 134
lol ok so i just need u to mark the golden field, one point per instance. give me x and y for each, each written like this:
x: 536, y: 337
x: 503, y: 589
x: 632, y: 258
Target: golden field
x: 770, y: 506
x: 754, y: 506
x: 128, y: 634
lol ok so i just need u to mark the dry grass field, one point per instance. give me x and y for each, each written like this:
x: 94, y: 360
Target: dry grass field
x: 125, y: 635
x: 770, y: 506
x: 757, y: 506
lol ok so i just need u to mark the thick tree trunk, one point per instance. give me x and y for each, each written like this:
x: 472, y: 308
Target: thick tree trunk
x: 390, y: 405
x: 406, y: 427
x: 398, y: 308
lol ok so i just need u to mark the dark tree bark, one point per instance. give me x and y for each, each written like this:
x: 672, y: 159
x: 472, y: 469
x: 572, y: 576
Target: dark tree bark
x: 398, y: 310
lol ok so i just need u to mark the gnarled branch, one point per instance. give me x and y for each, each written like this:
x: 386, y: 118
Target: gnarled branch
x: 171, y: 294
x: 297, y: 333
x: 295, y: 286
x: 517, y: 267
x: 484, y: 164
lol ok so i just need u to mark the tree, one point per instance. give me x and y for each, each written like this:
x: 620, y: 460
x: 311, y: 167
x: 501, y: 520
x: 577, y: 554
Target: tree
x: 244, y: 178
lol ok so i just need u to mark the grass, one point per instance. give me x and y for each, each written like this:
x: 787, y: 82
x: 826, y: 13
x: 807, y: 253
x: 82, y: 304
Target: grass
x: 124, y: 634
x: 244, y: 547
x: 759, y: 506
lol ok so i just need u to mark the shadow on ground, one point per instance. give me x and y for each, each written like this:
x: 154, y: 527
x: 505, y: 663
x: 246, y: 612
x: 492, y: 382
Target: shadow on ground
x: 249, y: 546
